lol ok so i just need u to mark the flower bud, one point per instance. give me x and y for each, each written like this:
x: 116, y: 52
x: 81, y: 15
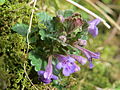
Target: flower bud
x: 63, y: 38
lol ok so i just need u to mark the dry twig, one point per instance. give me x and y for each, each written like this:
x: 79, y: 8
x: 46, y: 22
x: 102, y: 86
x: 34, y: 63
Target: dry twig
x: 113, y: 32
x: 116, y: 7
x: 105, y: 8
x: 105, y: 15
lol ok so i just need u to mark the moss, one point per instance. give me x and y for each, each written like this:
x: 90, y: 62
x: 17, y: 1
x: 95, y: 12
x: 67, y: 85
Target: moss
x: 13, y: 46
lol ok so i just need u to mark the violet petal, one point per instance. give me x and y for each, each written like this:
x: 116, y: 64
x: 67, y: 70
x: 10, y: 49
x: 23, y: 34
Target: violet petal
x: 66, y: 72
x: 92, y: 29
x: 40, y: 72
x: 70, y: 59
x: 80, y: 59
x: 54, y: 77
x: 59, y: 65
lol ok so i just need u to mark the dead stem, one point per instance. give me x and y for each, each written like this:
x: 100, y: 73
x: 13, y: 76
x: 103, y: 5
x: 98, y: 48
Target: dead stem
x: 105, y: 8
x: 117, y: 7
x: 113, y: 32
x: 104, y: 14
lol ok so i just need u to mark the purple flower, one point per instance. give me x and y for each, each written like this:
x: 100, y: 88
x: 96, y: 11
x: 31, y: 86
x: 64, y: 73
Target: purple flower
x: 47, y: 76
x: 92, y: 29
x: 46, y: 80
x: 80, y: 59
x: 68, y: 65
x: 89, y: 55
x: 62, y: 19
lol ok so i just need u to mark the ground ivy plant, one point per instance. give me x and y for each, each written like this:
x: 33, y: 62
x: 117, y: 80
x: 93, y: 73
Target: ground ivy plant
x: 57, y: 44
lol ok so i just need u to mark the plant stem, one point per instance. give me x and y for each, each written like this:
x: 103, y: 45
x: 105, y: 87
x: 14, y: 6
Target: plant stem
x: 29, y: 30
x: 28, y: 76
x: 30, y: 24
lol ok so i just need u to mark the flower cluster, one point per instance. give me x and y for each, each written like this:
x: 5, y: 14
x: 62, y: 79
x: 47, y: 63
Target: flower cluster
x: 47, y: 76
x: 67, y: 62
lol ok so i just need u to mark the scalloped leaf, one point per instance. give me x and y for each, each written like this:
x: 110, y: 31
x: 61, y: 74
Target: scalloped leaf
x: 44, y: 17
x: 20, y: 28
x: 68, y: 13
x: 42, y: 34
x: 35, y: 60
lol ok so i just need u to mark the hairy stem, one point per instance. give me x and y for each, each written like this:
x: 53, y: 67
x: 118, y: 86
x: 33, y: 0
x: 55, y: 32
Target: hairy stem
x: 89, y: 12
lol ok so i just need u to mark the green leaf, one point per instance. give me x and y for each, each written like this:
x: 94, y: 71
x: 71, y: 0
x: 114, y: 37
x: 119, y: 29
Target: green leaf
x: 68, y: 13
x: 107, y: 1
x: 83, y: 37
x: 46, y: 20
x: 44, y: 17
x: 33, y: 39
x: 2, y: 2
x: 57, y: 24
x: 20, y: 28
x: 35, y: 60
x: 60, y: 12
x: 42, y: 34
x: 84, y: 15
